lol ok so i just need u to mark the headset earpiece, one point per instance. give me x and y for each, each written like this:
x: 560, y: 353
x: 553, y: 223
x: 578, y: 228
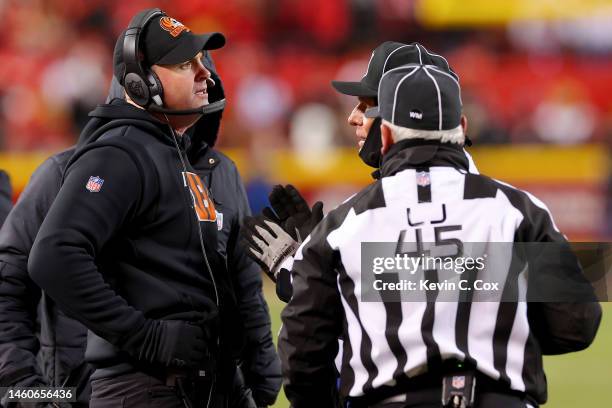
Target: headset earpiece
x: 156, y: 88
x: 142, y: 85
x: 137, y: 89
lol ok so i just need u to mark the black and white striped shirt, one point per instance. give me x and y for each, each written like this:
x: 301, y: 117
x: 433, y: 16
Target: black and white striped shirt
x: 387, y: 341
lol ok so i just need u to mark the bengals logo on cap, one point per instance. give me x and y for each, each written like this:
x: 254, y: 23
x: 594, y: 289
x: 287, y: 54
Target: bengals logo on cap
x: 174, y: 27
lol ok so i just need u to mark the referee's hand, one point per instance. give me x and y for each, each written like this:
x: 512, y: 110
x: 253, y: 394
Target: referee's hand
x: 267, y: 243
x: 293, y: 213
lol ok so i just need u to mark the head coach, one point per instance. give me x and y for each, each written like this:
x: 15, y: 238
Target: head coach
x: 129, y: 246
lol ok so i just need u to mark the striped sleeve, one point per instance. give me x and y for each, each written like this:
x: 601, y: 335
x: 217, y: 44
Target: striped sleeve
x: 312, y: 322
x: 563, y: 311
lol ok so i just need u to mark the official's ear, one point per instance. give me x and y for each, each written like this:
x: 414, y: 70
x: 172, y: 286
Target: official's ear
x: 386, y: 138
x: 464, y: 124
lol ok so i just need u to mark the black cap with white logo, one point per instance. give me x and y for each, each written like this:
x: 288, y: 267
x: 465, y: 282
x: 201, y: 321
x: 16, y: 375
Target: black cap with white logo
x: 387, y: 56
x: 420, y: 97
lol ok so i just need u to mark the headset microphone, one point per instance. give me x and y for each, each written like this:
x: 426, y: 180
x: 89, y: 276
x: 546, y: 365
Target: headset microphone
x: 202, y: 110
x: 373, y: 157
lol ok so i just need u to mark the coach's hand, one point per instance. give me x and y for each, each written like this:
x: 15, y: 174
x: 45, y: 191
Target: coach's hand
x: 294, y: 215
x: 172, y: 343
x: 267, y: 243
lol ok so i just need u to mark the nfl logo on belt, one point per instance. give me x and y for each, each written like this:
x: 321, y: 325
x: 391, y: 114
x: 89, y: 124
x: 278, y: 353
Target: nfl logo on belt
x: 458, y: 381
x: 94, y: 184
x: 422, y: 179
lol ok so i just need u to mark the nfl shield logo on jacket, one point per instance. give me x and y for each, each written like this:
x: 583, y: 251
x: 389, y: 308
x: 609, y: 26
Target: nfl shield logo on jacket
x: 94, y: 184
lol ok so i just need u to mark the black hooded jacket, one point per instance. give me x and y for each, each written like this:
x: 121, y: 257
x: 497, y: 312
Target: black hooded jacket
x: 62, y: 339
x: 120, y: 222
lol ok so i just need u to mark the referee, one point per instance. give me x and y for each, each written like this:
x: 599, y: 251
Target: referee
x: 274, y: 248
x: 419, y: 349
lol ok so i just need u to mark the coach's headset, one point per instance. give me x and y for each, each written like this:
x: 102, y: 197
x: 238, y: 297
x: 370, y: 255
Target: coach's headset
x: 141, y: 83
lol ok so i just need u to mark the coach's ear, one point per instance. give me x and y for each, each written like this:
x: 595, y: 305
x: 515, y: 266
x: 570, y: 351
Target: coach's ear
x: 386, y: 138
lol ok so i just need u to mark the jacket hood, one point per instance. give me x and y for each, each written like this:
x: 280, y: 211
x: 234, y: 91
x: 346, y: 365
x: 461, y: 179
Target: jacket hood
x: 120, y: 113
x: 205, y: 131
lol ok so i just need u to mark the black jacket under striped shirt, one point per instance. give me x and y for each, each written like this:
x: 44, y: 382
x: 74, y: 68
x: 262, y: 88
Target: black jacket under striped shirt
x: 385, y: 342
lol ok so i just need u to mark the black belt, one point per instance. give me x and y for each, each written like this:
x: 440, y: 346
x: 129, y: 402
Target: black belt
x: 191, y: 386
x: 170, y: 375
x: 426, y: 388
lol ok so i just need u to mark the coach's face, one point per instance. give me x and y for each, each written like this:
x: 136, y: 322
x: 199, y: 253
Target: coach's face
x: 185, y: 85
x: 359, y: 121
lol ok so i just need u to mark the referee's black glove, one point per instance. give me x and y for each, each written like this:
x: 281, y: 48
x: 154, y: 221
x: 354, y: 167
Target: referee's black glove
x: 293, y: 213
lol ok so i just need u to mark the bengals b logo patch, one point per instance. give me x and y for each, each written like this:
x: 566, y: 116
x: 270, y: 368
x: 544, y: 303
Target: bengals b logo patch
x: 202, y: 203
x: 174, y: 27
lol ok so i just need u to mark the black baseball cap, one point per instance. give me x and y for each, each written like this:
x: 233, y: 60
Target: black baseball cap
x: 421, y: 97
x: 166, y: 41
x: 386, y: 56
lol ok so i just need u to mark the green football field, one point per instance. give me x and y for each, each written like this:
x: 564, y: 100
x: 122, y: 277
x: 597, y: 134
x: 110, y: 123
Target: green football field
x: 576, y: 380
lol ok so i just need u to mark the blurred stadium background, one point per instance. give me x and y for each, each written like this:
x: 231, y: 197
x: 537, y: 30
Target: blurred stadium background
x: 536, y: 79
